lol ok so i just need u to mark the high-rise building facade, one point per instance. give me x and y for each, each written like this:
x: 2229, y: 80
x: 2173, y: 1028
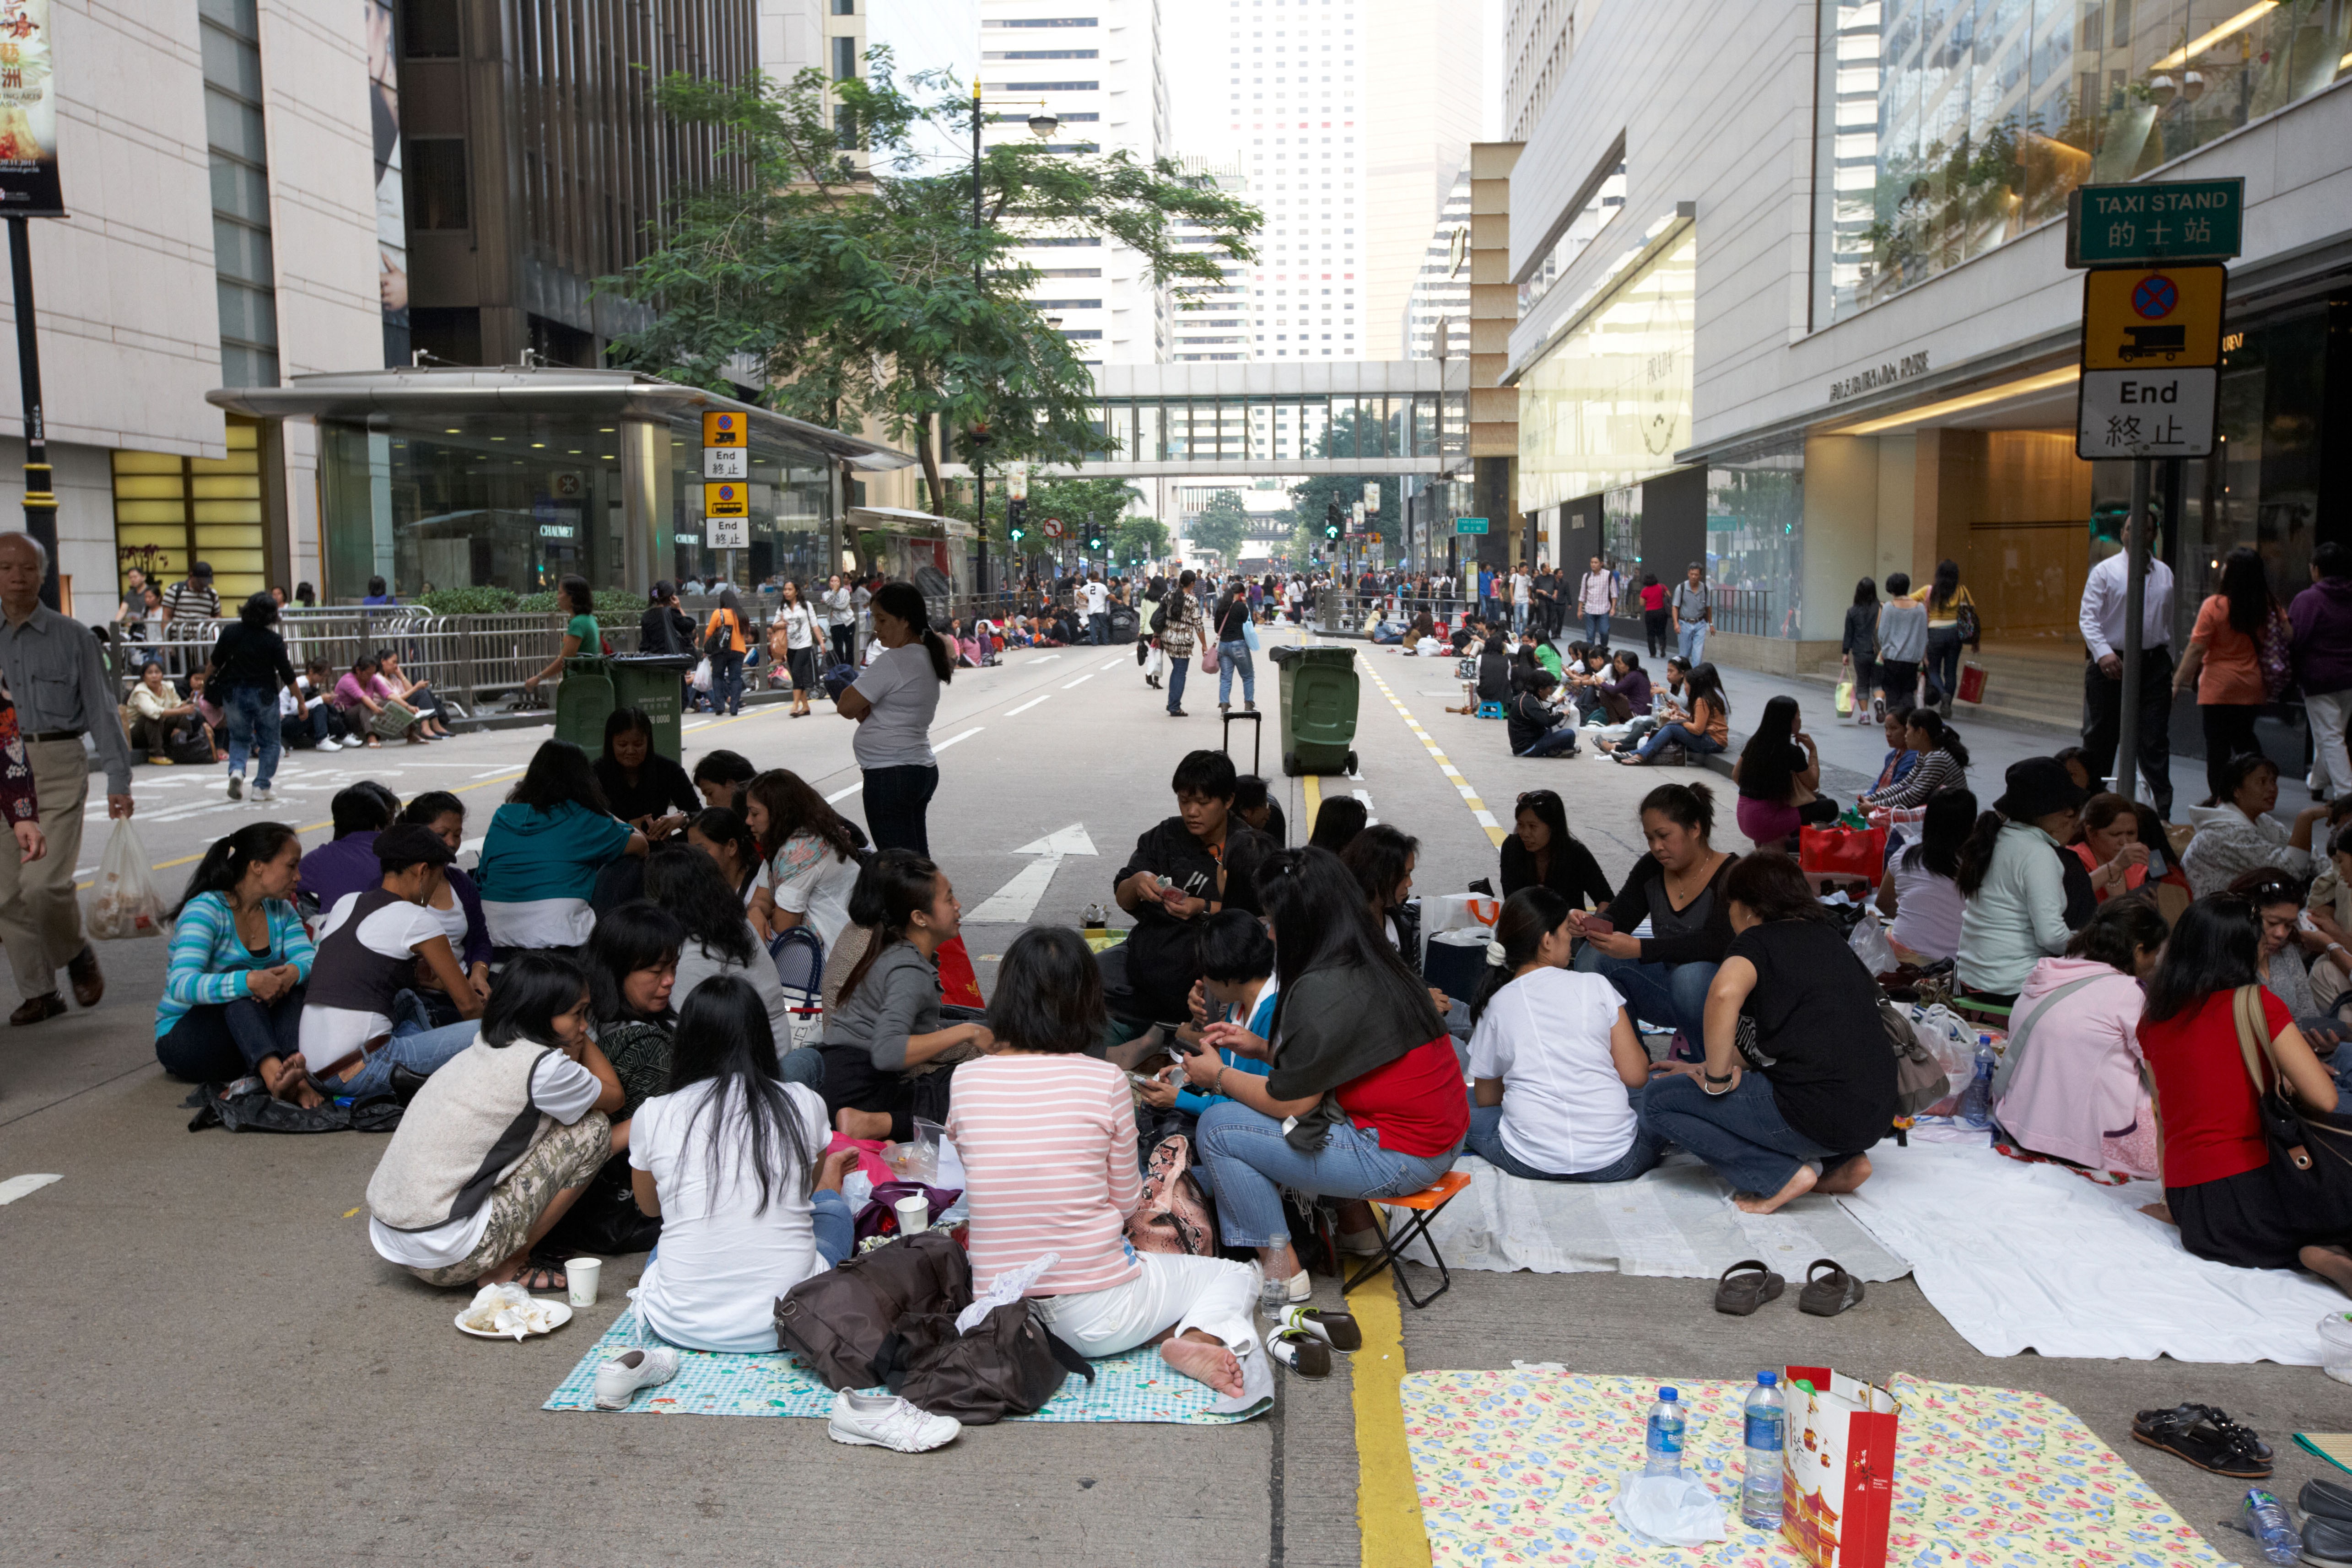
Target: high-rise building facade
x: 1094, y: 66
x: 1441, y: 293
x: 1212, y: 326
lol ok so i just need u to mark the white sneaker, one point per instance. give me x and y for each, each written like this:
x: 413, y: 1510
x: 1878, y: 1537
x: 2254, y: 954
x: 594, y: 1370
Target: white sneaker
x: 618, y: 1380
x: 236, y: 786
x: 331, y: 744
x: 887, y: 1421
x: 261, y: 794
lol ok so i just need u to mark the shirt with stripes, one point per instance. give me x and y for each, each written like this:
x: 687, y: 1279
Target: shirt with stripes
x: 210, y: 965
x: 1048, y: 1151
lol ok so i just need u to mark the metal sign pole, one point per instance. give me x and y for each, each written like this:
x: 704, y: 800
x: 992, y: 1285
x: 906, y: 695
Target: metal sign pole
x: 2135, y: 541
x: 40, y: 499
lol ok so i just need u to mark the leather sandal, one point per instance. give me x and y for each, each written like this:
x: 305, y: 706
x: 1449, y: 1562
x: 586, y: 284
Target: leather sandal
x: 1826, y: 1296
x: 2206, y: 1437
x: 1746, y: 1286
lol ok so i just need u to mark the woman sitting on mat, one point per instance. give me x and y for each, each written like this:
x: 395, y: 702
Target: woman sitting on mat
x: 728, y: 840
x: 1802, y: 1123
x: 1918, y: 893
x: 2280, y: 966
x: 1046, y: 1134
x: 2109, y: 846
x: 1941, y: 763
x: 1237, y: 986
x: 543, y: 850
x: 1364, y: 1079
x: 1779, y: 772
x: 233, y: 986
x: 720, y: 941
x: 643, y: 788
x: 2070, y: 1084
x: 814, y: 854
x: 632, y: 975
x: 886, y: 1059
x: 530, y: 1100
x: 1542, y: 852
x: 2236, y: 832
x: 720, y: 777
x: 1555, y: 1062
x: 2219, y: 1186
x: 1677, y: 891
x: 731, y: 1158
x: 2013, y: 887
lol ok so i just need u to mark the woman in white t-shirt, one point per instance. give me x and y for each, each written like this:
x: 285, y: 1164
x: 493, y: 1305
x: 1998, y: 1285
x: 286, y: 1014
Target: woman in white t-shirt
x: 733, y: 1161
x: 1556, y: 1064
x: 1918, y: 891
x: 893, y: 703
x: 811, y: 855
x: 797, y: 619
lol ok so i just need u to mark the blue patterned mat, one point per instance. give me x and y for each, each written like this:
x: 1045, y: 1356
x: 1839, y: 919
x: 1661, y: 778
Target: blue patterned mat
x: 1136, y: 1387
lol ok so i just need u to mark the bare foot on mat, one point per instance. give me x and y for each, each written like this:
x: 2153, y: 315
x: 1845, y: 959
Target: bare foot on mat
x: 1204, y: 1360
x: 1846, y: 1177
x: 1795, y: 1187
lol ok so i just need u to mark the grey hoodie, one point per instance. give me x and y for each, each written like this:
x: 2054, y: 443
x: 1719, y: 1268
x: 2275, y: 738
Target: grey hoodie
x: 899, y: 997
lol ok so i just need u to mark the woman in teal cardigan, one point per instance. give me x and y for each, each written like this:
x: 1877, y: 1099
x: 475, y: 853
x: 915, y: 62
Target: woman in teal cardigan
x: 233, y: 990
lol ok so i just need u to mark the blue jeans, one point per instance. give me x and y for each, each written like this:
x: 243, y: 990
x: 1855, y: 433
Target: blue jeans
x: 1943, y: 661
x: 727, y: 683
x: 835, y: 1227
x: 1675, y: 735
x: 1233, y: 657
x: 1596, y: 629
x: 1249, y: 1162
x: 1665, y: 996
x: 1098, y: 630
x: 1559, y: 742
x: 421, y: 1050
x: 1691, y: 641
x: 220, y: 1042
x: 1739, y: 1134
x: 1176, y: 669
x: 1487, y: 1143
x: 253, y: 710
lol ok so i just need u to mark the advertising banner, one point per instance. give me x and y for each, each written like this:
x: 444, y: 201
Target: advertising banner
x: 29, y: 112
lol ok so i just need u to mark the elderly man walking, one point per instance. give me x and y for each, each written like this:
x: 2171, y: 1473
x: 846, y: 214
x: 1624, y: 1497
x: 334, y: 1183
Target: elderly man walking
x: 61, y: 691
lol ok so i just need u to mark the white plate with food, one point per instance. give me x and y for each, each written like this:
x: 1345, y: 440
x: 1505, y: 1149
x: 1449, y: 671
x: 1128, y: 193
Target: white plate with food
x: 501, y: 1315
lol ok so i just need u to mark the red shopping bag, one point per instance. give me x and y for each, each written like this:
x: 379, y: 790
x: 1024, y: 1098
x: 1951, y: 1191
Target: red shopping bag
x: 1972, y: 682
x: 1837, y: 1488
x: 959, y: 986
x: 1843, y: 852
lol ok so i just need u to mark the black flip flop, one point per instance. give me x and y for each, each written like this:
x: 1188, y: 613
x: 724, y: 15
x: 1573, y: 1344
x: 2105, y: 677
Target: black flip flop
x: 2207, y: 1438
x: 1827, y: 1295
x: 1746, y: 1286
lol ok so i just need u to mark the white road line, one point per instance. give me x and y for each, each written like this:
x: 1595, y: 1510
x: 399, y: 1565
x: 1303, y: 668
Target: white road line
x: 854, y: 789
x: 1089, y: 676
x: 1115, y: 664
x: 17, y: 1187
x: 941, y: 746
x: 1025, y: 707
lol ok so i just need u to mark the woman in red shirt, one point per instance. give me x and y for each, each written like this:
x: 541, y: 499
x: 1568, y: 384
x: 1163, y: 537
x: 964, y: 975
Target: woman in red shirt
x: 1365, y: 1099
x: 2217, y: 1181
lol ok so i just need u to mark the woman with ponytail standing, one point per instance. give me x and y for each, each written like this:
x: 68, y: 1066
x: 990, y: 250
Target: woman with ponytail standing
x: 893, y: 702
x: 1556, y: 1065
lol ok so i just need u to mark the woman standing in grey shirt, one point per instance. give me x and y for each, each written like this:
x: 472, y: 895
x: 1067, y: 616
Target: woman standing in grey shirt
x: 1902, y: 643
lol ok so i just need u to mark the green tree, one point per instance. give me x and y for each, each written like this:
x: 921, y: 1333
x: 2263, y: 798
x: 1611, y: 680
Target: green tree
x: 1221, y: 526
x: 1307, y: 497
x: 1141, y: 537
x: 861, y: 288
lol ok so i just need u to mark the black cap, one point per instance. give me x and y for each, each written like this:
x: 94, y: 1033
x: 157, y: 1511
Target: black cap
x: 412, y: 843
x: 202, y: 568
x: 2037, y: 787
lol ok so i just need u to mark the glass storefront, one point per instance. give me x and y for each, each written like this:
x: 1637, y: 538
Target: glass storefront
x: 1953, y: 125
x: 1610, y: 402
x: 1756, y: 540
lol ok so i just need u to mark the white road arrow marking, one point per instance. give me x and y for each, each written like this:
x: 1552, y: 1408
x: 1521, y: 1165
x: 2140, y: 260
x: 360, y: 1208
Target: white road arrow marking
x: 1017, y: 899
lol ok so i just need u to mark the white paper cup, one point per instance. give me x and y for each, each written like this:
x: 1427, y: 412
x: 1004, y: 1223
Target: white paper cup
x: 582, y: 1272
x: 914, y: 1214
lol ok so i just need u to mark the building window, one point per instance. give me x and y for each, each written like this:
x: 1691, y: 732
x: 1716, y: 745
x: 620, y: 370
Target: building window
x: 436, y: 184
x: 245, y: 273
x: 429, y: 30
x: 844, y: 59
x: 844, y: 7
x: 170, y: 511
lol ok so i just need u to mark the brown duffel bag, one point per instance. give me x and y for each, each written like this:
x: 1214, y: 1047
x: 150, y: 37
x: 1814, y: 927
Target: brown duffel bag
x: 837, y: 1320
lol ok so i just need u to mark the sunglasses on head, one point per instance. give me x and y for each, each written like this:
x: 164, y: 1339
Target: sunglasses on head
x: 1538, y: 795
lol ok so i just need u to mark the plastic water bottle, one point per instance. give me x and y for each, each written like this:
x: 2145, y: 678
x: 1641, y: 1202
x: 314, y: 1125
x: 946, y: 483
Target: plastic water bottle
x: 1760, y: 1486
x: 1975, y: 1100
x: 1664, y: 1444
x: 2266, y: 1519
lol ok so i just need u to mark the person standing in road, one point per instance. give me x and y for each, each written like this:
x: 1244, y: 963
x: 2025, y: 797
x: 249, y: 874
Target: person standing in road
x: 1596, y: 599
x: 2321, y: 620
x: 1522, y: 599
x: 1180, y: 633
x: 1859, y: 646
x: 893, y: 702
x: 1231, y: 617
x: 1097, y: 609
x: 1655, y: 626
x: 248, y: 668
x: 725, y: 638
x: 194, y: 598
x: 1901, y: 645
x: 1546, y: 588
x: 2224, y: 661
x: 1952, y: 623
x: 861, y: 617
x: 51, y: 661
x: 841, y: 620
x: 2101, y: 619
x: 798, y: 623
x: 1694, y: 613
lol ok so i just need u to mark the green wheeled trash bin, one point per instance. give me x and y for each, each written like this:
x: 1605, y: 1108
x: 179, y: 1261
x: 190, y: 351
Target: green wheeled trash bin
x: 1318, y: 709
x: 583, y: 701
x: 655, y: 683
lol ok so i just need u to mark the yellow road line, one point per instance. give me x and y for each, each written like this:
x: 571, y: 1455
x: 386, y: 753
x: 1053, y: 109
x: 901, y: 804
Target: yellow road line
x: 1388, y: 1504
x: 1494, y: 830
x: 1310, y: 790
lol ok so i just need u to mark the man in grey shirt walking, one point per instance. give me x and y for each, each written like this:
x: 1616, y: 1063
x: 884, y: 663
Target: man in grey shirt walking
x: 61, y: 691
x: 1693, y: 611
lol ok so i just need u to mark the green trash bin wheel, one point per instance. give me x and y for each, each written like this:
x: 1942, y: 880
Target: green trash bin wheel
x: 1290, y: 764
x: 1351, y: 763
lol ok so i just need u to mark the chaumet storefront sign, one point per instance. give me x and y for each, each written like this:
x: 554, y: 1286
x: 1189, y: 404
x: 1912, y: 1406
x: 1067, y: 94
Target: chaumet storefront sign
x: 1908, y: 368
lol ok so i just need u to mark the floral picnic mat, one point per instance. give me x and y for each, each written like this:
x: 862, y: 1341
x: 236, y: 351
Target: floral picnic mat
x: 1518, y: 1468
x: 1136, y: 1387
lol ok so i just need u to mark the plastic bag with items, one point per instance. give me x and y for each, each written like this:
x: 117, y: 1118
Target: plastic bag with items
x: 124, y: 901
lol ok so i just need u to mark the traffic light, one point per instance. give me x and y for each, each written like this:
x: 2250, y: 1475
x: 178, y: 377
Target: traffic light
x: 1095, y: 538
x: 1331, y: 518
x: 1016, y: 516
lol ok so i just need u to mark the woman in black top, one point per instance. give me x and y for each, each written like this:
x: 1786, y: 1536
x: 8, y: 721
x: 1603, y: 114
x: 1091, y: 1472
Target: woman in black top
x: 249, y: 666
x: 1859, y: 646
x: 1793, y: 1112
x: 1232, y: 620
x: 645, y: 790
x: 664, y: 628
x: 1542, y: 852
x: 1200, y: 861
x: 1677, y: 887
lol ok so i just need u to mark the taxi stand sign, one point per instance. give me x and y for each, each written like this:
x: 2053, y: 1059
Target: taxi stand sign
x: 2151, y: 362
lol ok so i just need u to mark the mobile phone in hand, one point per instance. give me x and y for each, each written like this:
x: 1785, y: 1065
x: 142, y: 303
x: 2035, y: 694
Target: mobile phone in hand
x: 1597, y: 926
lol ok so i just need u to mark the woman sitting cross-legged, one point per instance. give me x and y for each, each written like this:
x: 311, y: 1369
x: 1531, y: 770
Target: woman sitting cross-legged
x: 2013, y: 880
x: 1918, y: 893
x: 2070, y: 1085
x: 731, y: 1158
x: 457, y: 904
x: 2219, y: 1184
x: 2236, y: 832
x: 232, y: 988
x: 526, y: 1107
x: 1542, y: 852
x: 1676, y: 889
x: 632, y: 977
x: 544, y: 849
x: 886, y: 1059
x: 1940, y: 763
x: 643, y: 788
x: 1365, y: 1079
x: 1778, y: 773
x: 720, y: 941
x: 1046, y: 1134
x: 1818, y: 1088
x: 1556, y: 1064
x: 813, y: 855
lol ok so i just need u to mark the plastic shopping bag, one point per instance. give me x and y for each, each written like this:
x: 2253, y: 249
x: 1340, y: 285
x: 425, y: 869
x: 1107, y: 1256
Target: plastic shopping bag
x: 1844, y: 699
x: 1870, y: 944
x: 123, y: 901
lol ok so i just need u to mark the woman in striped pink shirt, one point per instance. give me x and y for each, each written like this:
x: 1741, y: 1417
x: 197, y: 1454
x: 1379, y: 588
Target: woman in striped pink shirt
x: 1046, y: 1134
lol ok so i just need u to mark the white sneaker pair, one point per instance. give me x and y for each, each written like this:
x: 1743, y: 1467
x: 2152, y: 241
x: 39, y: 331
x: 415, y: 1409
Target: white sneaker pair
x: 885, y: 1421
x: 330, y: 743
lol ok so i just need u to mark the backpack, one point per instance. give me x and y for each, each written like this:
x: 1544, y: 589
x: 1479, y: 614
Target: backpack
x: 837, y: 1320
x: 721, y: 639
x: 1160, y: 618
x: 1173, y: 1216
x: 1009, y: 1363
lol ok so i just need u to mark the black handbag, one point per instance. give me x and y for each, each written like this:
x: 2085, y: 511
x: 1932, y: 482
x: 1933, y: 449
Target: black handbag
x: 1009, y: 1363
x: 2311, y: 1151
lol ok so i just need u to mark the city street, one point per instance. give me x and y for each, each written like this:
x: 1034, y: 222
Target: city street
x: 206, y: 1362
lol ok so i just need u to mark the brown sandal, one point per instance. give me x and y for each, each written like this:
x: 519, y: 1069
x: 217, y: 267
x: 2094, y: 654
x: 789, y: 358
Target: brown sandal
x: 1746, y: 1286
x: 1826, y: 1296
